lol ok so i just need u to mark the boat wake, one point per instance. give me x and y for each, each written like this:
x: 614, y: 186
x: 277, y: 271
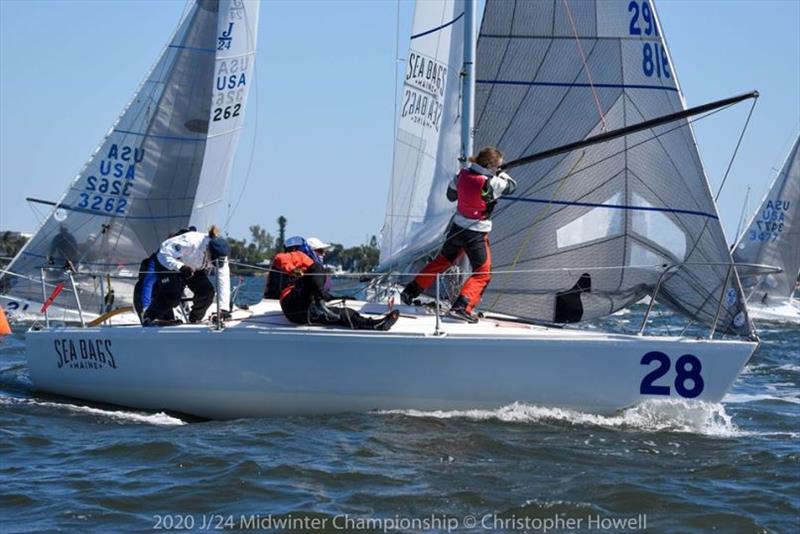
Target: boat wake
x: 694, y: 417
x: 120, y: 416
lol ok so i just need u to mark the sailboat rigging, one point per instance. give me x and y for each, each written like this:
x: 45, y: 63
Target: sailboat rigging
x: 627, y: 130
x: 613, y: 256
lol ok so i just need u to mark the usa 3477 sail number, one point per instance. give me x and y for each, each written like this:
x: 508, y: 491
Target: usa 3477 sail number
x: 688, y: 379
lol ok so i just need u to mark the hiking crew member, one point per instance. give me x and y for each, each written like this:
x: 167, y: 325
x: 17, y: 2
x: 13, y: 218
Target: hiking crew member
x: 296, y: 251
x: 476, y: 188
x: 183, y: 261
x: 303, y: 297
x: 145, y: 284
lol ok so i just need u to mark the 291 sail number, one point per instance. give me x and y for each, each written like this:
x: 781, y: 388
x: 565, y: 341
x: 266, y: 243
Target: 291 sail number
x: 688, y: 380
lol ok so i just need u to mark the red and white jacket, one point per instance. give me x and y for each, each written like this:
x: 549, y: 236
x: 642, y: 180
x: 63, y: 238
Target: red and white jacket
x: 477, y: 189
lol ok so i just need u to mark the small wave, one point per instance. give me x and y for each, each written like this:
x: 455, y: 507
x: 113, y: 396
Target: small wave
x: 694, y: 417
x: 790, y: 367
x: 12, y: 342
x: 739, y: 398
x: 159, y: 418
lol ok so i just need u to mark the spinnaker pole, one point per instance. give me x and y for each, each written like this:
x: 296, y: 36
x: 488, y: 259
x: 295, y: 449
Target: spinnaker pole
x: 468, y: 81
x: 627, y: 130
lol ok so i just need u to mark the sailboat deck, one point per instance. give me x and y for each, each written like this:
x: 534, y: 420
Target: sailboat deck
x: 415, y: 321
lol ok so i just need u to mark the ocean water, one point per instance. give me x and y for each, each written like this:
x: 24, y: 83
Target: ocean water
x: 663, y: 467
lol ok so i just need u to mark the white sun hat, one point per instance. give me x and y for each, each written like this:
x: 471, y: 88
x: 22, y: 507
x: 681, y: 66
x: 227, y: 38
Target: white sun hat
x: 317, y: 244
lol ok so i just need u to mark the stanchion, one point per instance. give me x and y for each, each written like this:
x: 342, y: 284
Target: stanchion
x: 437, y: 331
x: 217, y: 297
x: 77, y: 298
x: 44, y: 300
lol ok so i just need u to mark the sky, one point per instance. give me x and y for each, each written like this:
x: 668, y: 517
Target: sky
x: 319, y: 135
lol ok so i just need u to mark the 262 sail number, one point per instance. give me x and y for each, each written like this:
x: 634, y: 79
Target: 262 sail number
x: 688, y: 381
x: 227, y: 112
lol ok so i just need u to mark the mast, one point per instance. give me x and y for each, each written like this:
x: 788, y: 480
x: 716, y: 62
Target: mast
x: 468, y: 81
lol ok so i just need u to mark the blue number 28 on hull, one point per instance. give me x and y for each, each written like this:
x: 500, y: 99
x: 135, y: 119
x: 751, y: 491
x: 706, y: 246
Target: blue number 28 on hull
x: 687, y: 368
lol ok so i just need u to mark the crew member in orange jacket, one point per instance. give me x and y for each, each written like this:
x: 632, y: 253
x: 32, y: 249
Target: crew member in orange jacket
x: 303, y: 296
x: 476, y: 188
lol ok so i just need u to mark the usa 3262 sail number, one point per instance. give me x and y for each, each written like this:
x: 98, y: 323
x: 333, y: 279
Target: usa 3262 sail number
x: 688, y: 380
x: 108, y: 204
x: 100, y: 203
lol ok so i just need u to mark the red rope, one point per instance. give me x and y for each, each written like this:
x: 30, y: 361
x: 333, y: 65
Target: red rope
x: 585, y: 65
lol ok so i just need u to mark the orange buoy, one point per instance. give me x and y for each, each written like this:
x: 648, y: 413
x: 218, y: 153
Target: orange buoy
x: 5, y: 328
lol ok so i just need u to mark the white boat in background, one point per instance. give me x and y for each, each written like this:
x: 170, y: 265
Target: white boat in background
x: 773, y: 238
x: 163, y: 163
x: 777, y: 311
x: 633, y: 213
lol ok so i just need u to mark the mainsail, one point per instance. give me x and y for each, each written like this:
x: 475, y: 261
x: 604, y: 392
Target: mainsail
x: 610, y: 220
x: 773, y: 236
x: 163, y: 165
x: 427, y: 140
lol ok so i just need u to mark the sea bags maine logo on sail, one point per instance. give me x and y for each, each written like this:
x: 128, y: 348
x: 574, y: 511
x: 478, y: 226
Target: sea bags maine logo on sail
x: 424, y: 89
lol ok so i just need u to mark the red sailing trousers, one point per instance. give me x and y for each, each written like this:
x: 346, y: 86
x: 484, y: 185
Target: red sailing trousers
x: 476, y: 246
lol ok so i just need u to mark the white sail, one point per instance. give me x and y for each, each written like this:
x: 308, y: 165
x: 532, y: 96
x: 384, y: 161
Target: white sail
x: 163, y: 164
x: 614, y: 216
x: 620, y: 212
x: 234, y: 72
x: 427, y: 140
x: 773, y: 236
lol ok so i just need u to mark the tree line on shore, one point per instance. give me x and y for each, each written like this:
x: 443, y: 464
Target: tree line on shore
x: 261, y: 246
x: 258, y: 248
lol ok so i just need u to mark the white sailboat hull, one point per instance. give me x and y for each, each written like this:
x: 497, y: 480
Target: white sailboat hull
x: 263, y: 367
x: 781, y: 311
